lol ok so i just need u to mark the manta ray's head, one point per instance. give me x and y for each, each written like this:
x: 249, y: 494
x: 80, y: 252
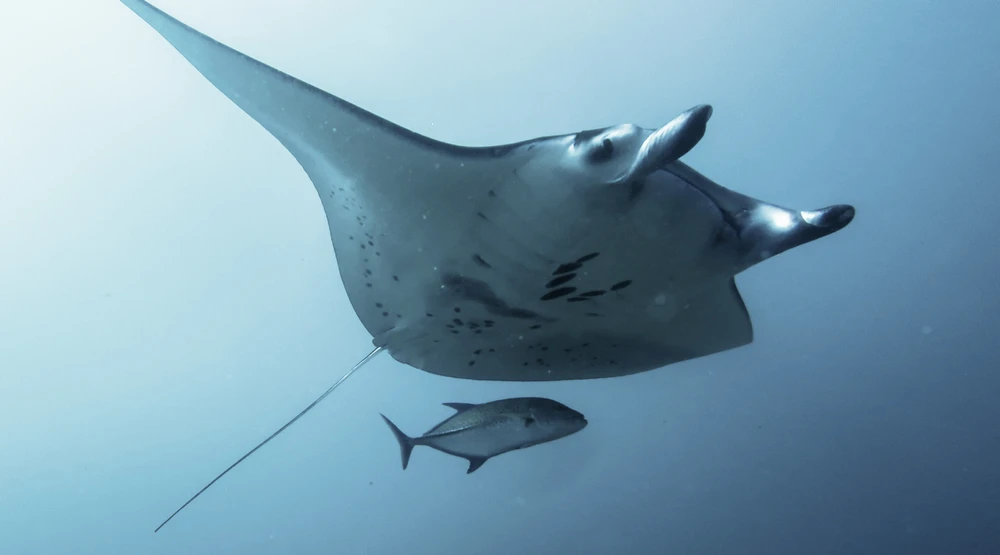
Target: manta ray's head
x: 635, y: 175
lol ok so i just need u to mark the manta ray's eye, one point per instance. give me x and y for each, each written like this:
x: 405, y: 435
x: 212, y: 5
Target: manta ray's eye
x: 602, y: 152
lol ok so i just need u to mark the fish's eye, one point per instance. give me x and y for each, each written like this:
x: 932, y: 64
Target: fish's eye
x: 602, y: 151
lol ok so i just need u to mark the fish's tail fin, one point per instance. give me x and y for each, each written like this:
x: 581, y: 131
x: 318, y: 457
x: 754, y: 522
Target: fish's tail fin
x: 405, y: 442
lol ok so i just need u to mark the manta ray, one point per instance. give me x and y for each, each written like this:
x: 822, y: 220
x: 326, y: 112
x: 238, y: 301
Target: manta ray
x: 585, y: 255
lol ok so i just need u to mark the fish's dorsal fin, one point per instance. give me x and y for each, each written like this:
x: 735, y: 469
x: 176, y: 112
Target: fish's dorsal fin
x: 459, y: 406
x: 354, y: 369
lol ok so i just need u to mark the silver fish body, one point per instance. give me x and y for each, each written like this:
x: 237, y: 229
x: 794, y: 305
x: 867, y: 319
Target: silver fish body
x: 479, y: 432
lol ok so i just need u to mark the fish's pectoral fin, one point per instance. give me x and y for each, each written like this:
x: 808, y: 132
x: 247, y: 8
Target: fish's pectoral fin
x: 459, y: 406
x: 475, y: 463
x: 405, y: 442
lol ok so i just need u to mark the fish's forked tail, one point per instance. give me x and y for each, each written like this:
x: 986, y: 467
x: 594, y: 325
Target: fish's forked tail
x: 405, y: 441
x: 354, y: 369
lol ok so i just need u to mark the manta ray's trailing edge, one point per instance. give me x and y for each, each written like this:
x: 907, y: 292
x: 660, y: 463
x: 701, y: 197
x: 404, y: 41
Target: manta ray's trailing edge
x: 587, y: 255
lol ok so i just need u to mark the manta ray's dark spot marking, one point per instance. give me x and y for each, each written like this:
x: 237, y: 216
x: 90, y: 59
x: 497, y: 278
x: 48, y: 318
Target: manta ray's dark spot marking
x: 385, y: 314
x: 528, y: 421
x: 477, y: 351
x: 535, y: 327
x: 492, y: 350
x: 545, y: 348
x: 477, y: 332
x: 428, y: 314
x: 560, y: 280
x: 621, y: 285
x: 395, y: 278
x: 493, y: 194
x: 457, y: 322
x: 596, y: 293
x: 378, y: 253
x: 351, y: 237
x: 556, y: 293
x: 472, y: 363
x: 457, y: 310
x: 450, y: 326
x: 479, y: 260
x: 371, y: 244
x: 454, y: 331
x: 363, y: 246
x: 378, y: 305
x: 566, y: 268
x: 368, y: 285
x: 472, y: 325
x: 587, y: 257
x: 368, y: 272
x: 488, y: 323
x: 483, y: 216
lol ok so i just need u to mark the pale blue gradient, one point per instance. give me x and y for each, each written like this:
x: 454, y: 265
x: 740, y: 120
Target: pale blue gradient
x: 169, y: 296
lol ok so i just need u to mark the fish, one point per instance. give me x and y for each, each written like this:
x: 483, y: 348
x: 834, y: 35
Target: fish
x: 478, y: 433
x: 583, y: 255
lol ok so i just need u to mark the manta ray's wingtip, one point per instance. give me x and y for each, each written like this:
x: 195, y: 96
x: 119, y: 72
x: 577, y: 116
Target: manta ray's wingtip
x: 832, y: 218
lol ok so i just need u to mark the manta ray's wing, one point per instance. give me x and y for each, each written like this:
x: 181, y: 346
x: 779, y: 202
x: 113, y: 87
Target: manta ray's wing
x: 370, y: 173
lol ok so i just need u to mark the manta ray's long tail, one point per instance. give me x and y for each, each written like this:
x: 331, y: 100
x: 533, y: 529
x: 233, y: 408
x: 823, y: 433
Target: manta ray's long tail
x: 363, y: 361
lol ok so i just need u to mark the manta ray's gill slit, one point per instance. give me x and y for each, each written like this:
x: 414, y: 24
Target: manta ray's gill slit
x: 587, y: 257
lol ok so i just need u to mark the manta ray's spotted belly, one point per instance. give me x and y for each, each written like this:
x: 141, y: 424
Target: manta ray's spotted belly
x: 582, y: 323
x: 559, y: 293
